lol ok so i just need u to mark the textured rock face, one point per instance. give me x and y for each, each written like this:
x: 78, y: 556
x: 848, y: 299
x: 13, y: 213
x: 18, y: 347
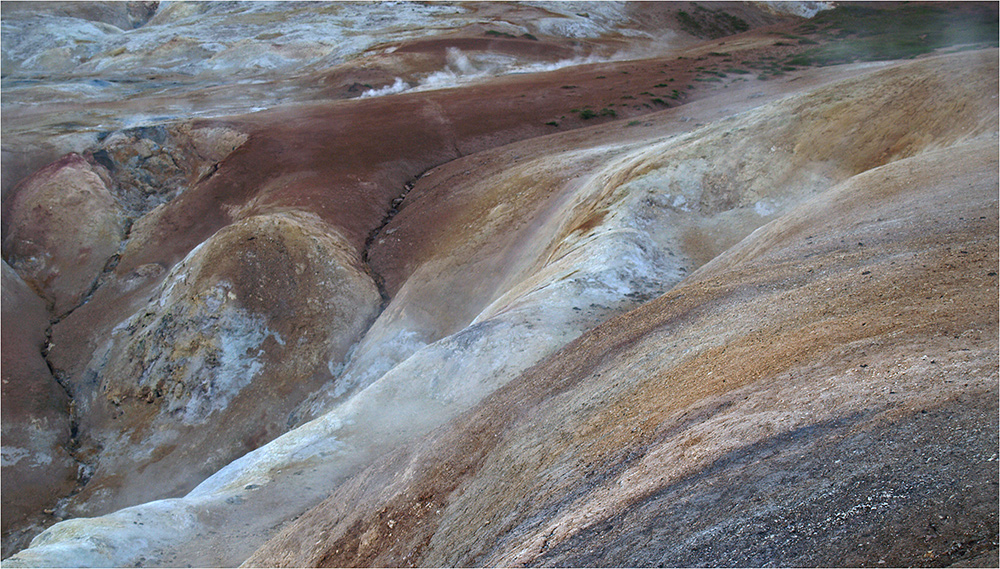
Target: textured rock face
x: 122, y: 15
x: 37, y: 470
x: 751, y: 360
x: 60, y: 228
x: 729, y: 442
x: 251, y: 321
x: 150, y: 166
x: 480, y: 294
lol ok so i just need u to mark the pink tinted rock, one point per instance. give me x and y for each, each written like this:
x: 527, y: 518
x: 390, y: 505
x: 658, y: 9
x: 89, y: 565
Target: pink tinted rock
x: 60, y: 228
x: 36, y: 468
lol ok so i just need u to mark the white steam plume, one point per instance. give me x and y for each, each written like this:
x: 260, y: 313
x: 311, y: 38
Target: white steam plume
x: 397, y: 87
x: 461, y: 69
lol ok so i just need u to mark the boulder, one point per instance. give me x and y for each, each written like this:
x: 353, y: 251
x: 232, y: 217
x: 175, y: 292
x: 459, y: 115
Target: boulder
x: 249, y: 322
x: 61, y: 227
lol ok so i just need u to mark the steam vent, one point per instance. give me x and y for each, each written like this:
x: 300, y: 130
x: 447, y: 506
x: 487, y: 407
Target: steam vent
x: 504, y: 284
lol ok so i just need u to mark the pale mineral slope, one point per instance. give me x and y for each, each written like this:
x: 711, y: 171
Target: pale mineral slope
x: 357, y: 525
x: 491, y: 272
x: 823, y: 393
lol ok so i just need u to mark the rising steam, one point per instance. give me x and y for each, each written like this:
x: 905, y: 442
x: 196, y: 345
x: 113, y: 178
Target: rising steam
x: 462, y: 69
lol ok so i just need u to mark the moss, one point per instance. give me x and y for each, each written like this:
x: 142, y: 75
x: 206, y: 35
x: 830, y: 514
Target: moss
x: 875, y: 33
x: 710, y: 24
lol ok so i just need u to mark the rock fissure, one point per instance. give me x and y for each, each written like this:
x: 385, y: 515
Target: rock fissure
x: 109, y: 266
x: 394, y: 208
x: 85, y: 469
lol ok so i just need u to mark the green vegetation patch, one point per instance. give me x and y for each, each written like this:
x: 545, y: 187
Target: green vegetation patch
x: 873, y: 33
x: 587, y: 114
x: 705, y: 23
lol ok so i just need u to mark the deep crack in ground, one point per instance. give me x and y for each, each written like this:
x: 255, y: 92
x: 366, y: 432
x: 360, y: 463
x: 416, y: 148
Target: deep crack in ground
x: 394, y: 208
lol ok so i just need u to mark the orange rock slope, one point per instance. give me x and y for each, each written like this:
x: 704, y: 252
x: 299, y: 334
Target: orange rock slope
x: 811, y: 397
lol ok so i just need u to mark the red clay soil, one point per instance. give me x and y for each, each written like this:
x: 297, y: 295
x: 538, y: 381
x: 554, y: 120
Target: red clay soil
x: 347, y: 161
x: 36, y: 425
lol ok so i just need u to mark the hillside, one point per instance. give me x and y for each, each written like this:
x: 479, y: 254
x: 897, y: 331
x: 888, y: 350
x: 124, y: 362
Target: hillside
x: 502, y: 284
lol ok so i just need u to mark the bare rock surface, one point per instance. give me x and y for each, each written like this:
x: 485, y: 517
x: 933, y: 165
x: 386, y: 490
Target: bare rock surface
x: 60, y: 228
x: 37, y: 469
x: 122, y: 15
x: 74, y: 72
x: 499, y: 284
x: 742, y: 444
x: 245, y: 326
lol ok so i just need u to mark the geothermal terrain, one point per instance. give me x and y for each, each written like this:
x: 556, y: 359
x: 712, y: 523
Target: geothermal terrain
x: 500, y: 283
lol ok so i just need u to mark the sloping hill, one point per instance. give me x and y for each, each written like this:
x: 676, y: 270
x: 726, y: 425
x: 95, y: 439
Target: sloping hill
x: 780, y: 406
x: 666, y: 302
